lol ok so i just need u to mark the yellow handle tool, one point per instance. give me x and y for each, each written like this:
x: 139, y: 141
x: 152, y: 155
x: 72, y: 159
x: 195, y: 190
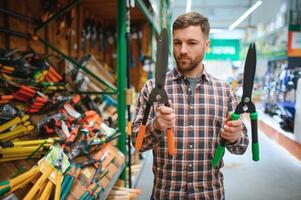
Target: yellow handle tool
x: 58, y: 187
x: 21, y: 185
x: 46, y: 142
x: 47, y: 191
x: 39, y: 183
x: 19, y: 155
x: 18, y: 131
x: 19, y: 150
x: 19, y: 158
x: 12, y: 122
x: 7, y: 185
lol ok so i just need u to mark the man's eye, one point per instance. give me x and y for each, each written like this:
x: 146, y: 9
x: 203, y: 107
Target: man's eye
x: 192, y: 43
x: 177, y: 43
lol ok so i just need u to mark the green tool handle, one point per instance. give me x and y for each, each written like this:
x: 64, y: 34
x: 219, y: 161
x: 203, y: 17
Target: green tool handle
x: 65, y: 182
x: 84, y: 196
x: 67, y: 189
x: 6, y: 187
x: 218, y: 155
x: 97, y: 193
x: 254, y: 128
x: 220, y: 151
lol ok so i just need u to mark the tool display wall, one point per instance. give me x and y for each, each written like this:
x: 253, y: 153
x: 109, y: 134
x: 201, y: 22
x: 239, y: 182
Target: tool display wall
x: 41, y: 108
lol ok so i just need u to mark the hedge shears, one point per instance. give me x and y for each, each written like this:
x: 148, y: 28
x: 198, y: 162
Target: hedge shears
x: 158, y: 93
x: 245, y: 105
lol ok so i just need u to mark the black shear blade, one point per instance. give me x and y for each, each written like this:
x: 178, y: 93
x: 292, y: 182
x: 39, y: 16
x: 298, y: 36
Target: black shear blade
x: 249, y: 71
x: 161, y: 59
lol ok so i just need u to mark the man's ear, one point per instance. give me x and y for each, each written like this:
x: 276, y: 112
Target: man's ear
x: 207, y: 44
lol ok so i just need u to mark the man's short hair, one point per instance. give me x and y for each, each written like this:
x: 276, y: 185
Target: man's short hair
x: 192, y: 19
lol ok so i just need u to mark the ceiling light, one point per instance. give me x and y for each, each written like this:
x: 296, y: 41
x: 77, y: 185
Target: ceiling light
x: 245, y: 15
x: 188, y: 6
x: 216, y: 30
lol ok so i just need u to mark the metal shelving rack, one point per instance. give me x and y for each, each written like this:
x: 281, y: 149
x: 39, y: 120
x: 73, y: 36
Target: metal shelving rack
x: 120, y: 91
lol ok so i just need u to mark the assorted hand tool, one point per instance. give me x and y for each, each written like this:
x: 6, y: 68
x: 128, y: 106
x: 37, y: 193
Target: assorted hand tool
x: 158, y: 93
x: 245, y: 106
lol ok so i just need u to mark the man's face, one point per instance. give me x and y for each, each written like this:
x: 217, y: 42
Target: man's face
x: 189, y: 47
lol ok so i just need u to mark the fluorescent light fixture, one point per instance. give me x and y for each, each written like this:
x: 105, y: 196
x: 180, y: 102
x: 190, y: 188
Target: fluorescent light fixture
x: 245, y: 15
x: 188, y: 6
x: 216, y: 30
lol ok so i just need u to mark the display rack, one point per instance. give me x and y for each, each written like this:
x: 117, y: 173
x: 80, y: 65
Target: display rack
x: 112, y: 182
x: 37, y: 37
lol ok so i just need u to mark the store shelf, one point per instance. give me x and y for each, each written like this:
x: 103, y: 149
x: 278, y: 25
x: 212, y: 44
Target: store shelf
x: 285, y: 139
x: 112, y: 182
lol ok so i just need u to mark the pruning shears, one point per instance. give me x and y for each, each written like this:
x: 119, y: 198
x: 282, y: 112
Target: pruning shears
x: 245, y: 105
x: 158, y: 93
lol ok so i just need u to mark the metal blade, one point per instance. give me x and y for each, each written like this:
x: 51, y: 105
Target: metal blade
x: 161, y: 59
x: 249, y: 71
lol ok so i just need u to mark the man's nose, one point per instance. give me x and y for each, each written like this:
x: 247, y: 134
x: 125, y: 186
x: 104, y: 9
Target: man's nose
x: 184, y: 49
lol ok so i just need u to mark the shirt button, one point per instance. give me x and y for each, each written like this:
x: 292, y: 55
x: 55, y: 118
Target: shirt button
x: 191, y: 126
x: 190, y: 165
x: 189, y: 89
x: 191, y: 107
x: 190, y: 146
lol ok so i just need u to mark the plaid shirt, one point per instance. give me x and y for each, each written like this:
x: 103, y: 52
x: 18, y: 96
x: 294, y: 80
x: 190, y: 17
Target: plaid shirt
x: 189, y: 174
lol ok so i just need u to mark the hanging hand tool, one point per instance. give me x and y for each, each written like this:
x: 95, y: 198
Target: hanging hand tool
x: 128, y: 85
x: 245, y: 105
x: 158, y: 93
x: 100, y: 38
x: 93, y: 34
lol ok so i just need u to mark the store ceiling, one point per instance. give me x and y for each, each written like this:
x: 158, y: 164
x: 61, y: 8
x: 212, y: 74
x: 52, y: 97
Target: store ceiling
x: 222, y: 13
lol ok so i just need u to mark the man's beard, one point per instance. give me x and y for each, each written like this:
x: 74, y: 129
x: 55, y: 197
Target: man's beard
x: 192, y: 65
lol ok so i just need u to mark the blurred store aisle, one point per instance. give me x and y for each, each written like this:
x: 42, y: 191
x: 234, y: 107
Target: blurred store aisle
x: 276, y: 177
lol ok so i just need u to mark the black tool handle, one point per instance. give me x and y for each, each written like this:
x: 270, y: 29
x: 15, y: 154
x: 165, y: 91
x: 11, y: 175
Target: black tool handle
x: 6, y: 144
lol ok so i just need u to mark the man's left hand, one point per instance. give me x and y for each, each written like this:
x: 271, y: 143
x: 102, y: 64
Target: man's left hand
x: 232, y: 131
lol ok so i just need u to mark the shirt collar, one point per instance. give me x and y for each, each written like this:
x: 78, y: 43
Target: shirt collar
x: 177, y: 75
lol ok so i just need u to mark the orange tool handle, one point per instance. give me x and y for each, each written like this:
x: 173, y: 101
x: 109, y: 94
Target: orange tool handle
x: 6, y: 97
x: 170, y: 142
x: 76, y: 99
x: 28, y: 89
x: 90, y: 113
x: 41, y: 99
x: 140, y: 137
x: 55, y: 73
x: 25, y: 93
x: 129, y: 128
x: 51, y: 78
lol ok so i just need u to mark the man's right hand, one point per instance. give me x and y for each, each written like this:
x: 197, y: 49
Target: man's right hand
x: 165, y: 118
